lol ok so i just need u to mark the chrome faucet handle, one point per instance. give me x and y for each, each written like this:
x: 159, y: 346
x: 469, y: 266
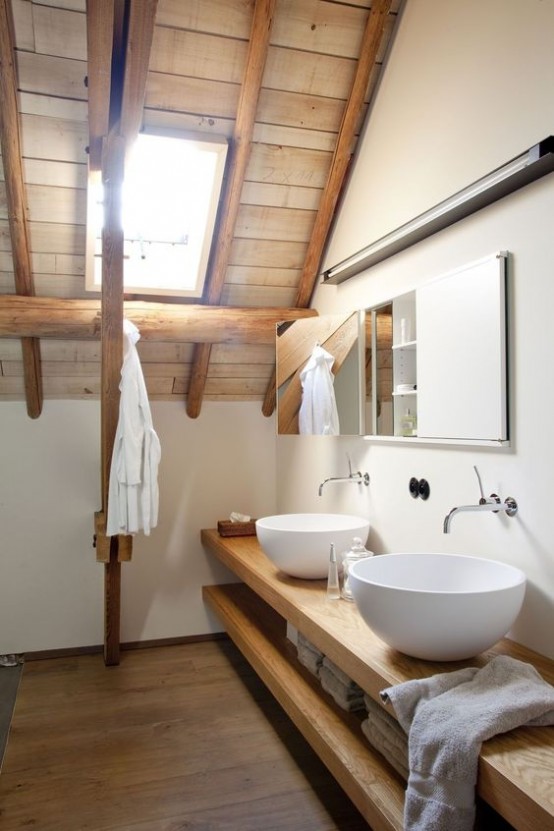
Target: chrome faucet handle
x: 349, y: 464
x: 483, y: 498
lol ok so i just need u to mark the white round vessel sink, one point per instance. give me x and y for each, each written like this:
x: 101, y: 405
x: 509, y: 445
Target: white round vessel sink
x: 299, y: 544
x: 439, y: 607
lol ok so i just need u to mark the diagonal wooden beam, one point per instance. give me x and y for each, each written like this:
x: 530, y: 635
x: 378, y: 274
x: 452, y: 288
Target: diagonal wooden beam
x: 142, y: 15
x: 100, y: 32
x: 371, y: 43
x: 10, y: 142
x: 240, y: 152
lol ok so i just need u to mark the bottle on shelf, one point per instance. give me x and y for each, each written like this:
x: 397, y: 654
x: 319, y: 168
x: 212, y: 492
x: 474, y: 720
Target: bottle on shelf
x: 408, y: 424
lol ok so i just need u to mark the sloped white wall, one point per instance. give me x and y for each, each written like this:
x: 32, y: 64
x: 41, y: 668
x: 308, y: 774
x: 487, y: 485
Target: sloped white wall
x: 51, y: 588
x: 463, y: 80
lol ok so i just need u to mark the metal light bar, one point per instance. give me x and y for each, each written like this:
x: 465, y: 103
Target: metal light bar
x: 526, y: 168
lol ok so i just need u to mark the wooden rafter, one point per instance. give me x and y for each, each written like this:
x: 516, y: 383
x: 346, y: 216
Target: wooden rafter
x: 142, y: 14
x: 62, y: 317
x: 240, y: 152
x: 100, y: 28
x: 15, y: 195
x: 371, y: 43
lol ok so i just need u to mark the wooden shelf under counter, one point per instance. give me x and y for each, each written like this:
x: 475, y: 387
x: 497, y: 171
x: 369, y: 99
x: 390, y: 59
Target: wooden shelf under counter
x: 516, y: 770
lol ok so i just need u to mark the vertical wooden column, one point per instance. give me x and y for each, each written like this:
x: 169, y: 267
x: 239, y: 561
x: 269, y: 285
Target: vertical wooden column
x: 113, y: 156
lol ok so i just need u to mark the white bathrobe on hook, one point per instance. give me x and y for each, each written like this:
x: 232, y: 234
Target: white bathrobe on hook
x: 318, y: 411
x: 133, y: 491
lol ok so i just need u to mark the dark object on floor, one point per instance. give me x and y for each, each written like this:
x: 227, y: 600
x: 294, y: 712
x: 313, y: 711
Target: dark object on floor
x: 10, y: 674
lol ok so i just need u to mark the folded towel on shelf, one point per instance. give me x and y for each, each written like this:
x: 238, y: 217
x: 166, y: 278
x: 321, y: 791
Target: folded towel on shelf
x: 382, y: 741
x: 385, y: 734
x: 347, y: 693
x: 387, y: 724
x: 448, y: 716
x: 308, y: 655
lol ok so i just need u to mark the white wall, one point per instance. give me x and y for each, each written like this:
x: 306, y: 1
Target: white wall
x: 493, y: 59
x: 466, y: 90
x: 51, y: 587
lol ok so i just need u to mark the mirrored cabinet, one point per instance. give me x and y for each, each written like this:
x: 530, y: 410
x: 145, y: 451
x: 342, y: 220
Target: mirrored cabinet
x: 448, y: 358
x: 427, y: 365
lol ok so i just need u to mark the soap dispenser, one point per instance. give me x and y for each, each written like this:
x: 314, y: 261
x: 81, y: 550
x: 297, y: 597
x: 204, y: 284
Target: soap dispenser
x: 355, y: 553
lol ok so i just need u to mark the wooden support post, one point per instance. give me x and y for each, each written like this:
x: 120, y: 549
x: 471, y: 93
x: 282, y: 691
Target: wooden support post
x: 112, y: 604
x: 113, y: 156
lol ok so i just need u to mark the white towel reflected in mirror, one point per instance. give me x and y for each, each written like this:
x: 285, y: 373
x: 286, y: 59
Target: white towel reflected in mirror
x: 318, y: 413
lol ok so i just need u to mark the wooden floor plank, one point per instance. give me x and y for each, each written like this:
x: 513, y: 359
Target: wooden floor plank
x: 181, y: 737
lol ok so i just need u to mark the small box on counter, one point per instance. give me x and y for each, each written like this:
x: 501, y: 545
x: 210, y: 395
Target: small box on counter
x: 226, y: 528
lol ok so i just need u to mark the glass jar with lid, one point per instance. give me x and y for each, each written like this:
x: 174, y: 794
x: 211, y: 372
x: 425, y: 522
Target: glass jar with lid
x: 356, y: 552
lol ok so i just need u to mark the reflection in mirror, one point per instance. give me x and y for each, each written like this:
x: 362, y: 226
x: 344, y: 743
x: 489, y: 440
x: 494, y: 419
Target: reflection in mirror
x: 339, y: 335
x: 436, y: 364
x: 380, y: 381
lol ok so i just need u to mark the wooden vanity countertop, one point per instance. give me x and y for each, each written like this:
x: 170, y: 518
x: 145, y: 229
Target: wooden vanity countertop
x: 517, y: 766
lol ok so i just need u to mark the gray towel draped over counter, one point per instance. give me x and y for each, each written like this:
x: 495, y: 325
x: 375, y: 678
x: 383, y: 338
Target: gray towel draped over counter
x: 447, y: 717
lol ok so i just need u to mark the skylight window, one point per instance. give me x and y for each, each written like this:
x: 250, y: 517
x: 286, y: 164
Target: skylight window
x: 169, y: 203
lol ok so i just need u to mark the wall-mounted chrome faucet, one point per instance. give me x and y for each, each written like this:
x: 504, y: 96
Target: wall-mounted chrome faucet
x: 358, y: 478
x: 493, y: 503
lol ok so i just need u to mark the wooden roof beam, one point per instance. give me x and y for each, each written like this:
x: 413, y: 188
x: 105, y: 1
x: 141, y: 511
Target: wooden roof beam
x: 65, y: 318
x: 142, y: 16
x: 10, y: 142
x: 240, y: 151
x: 371, y: 43
x: 100, y: 33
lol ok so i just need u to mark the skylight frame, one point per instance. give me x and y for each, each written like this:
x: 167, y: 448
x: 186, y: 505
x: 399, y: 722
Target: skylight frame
x: 192, y: 285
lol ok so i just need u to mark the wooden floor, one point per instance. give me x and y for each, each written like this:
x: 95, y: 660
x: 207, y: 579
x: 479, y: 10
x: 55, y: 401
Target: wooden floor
x: 175, y: 738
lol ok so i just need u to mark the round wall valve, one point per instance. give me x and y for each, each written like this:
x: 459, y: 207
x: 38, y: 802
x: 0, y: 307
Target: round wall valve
x: 419, y: 487
x: 424, y: 489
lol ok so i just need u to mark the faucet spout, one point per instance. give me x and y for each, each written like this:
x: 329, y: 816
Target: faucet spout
x: 358, y: 478
x: 509, y: 506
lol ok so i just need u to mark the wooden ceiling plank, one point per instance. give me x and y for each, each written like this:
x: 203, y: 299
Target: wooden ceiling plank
x: 258, y: 47
x: 10, y: 142
x: 66, y: 318
x: 100, y: 27
x: 139, y: 44
x: 375, y: 31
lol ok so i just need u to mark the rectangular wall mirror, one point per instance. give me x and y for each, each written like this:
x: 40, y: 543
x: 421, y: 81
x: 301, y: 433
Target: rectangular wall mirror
x: 430, y: 364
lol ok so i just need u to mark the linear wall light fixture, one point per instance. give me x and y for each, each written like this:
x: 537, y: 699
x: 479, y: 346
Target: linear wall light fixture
x: 526, y: 168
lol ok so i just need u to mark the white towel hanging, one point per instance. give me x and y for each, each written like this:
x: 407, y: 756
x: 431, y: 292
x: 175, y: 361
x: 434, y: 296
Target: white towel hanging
x: 133, y: 491
x: 318, y: 410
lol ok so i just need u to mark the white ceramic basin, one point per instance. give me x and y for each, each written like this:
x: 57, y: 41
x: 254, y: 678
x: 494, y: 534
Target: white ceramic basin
x: 299, y: 544
x: 440, y: 607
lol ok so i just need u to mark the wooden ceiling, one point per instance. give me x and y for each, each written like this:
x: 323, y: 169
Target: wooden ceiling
x: 288, y: 82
